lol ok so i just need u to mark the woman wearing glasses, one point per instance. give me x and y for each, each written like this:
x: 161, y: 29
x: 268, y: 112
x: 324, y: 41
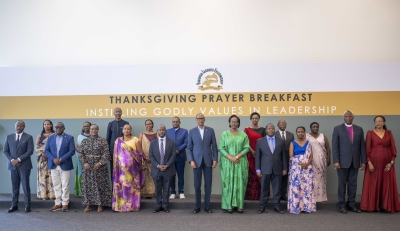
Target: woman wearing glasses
x: 380, y: 187
x: 233, y: 146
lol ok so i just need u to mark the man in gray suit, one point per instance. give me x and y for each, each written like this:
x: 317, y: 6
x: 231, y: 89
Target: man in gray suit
x: 18, y: 148
x: 271, y: 165
x: 288, y: 137
x: 162, y: 156
x: 202, y: 154
x: 348, y: 148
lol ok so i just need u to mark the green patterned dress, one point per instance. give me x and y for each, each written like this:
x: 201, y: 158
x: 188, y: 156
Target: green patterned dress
x: 234, y: 176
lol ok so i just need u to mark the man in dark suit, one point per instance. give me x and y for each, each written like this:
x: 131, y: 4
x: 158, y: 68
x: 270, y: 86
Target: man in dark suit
x: 18, y: 148
x: 348, y: 148
x: 162, y: 156
x: 179, y: 136
x: 288, y: 137
x: 202, y: 154
x: 114, y: 130
x: 59, y: 150
x: 271, y: 165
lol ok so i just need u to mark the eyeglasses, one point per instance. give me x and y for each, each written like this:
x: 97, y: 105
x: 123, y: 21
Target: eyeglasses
x: 234, y: 122
x: 59, y: 127
x: 199, y: 118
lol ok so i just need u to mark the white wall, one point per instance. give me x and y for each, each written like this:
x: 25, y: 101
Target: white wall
x: 130, y: 32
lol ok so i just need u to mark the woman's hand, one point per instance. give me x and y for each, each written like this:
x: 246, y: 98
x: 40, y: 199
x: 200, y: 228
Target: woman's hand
x: 388, y: 167
x: 87, y: 166
x: 97, y: 166
x: 371, y: 167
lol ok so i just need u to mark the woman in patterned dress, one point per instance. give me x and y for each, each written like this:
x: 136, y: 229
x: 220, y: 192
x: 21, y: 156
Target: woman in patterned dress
x: 95, y: 180
x: 146, y: 137
x: 127, y: 172
x: 301, y: 176
x: 321, y: 160
x: 254, y: 132
x: 78, y: 174
x: 44, y: 182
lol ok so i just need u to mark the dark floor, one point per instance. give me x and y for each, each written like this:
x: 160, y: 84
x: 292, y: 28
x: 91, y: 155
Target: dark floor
x: 181, y: 218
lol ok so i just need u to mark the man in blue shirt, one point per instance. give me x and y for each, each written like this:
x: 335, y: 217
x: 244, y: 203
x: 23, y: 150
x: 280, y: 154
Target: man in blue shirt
x: 179, y: 136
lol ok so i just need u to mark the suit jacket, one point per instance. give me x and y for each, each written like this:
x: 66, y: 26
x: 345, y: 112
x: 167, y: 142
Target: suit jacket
x: 67, y: 150
x: 169, y: 158
x: 199, y: 149
x: 269, y: 162
x: 180, y: 138
x: 289, y: 138
x: 23, y: 151
x: 346, y: 152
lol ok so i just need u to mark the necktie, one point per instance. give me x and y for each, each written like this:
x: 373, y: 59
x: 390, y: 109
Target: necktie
x: 162, y: 153
x: 17, y: 141
x: 283, y: 136
x: 271, y: 145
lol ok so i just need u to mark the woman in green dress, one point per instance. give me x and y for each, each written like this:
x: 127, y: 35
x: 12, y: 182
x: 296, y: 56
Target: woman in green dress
x: 233, y: 146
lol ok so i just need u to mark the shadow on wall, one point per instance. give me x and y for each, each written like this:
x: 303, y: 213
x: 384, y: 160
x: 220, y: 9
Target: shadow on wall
x: 1, y: 132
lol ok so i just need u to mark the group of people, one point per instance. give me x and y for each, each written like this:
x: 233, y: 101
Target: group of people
x: 250, y: 161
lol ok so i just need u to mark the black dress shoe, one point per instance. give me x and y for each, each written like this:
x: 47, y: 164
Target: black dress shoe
x: 156, y: 210
x: 195, y: 211
x: 208, y: 210
x: 342, y: 210
x: 279, y: 211
x: 283, y: 198
x: 261, y: 210
x: 27, y: 209
x: 354, y: 209
x: 166, y: 210
x: 12, y: 209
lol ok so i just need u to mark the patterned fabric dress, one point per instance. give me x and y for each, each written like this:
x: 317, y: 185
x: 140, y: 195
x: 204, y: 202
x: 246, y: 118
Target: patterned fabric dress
x: 95, y: 183
x: 319, y: 165
x: 253, y: 185
x: 128, y: 176
x: 149, y: 188
x: 301, y: 181
x: 44, y: 183
x: 234, y: 176
x: 78, y: 173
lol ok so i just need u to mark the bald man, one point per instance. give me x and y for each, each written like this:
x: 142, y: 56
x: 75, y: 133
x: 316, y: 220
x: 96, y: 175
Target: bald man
x: 114, y: 130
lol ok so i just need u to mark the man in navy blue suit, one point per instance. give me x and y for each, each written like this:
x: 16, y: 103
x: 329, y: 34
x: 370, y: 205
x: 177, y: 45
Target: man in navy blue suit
x: 59, y: 150
x: 18, y: 149
x: 179, y: 136
x: 348, y: 148
x: 202, y: 154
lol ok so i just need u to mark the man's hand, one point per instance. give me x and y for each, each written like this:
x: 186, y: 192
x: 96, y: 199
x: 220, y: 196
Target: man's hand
x: 362, y: 167
x: 15, y: 162
x: 177, y: 152
x: 193, y: 164
x: 56, y: 161
x: 284, y: 173
x: 214, y: 164
x: 336, y: 165
x: 259, y: 174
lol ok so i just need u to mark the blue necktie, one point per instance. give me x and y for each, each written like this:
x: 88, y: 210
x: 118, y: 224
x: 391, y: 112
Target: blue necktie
x: 17, y: 141
x: 271, y: 145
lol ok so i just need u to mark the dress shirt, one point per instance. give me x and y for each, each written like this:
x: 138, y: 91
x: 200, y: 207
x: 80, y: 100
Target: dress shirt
x: 59, y: 140
x: 201, y: 131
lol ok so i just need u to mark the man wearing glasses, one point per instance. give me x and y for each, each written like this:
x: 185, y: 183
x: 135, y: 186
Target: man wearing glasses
x: 202, y: 154
x: 59, y: 149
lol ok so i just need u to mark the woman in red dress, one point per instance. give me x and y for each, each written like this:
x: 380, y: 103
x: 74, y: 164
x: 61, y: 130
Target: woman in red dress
x: 380, y: 187
x: 254, y: 132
